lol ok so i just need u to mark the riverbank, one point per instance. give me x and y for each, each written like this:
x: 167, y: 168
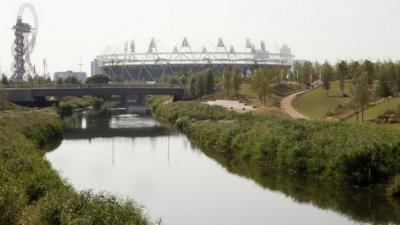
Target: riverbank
x: 357, y: 155
x: 31, y: 192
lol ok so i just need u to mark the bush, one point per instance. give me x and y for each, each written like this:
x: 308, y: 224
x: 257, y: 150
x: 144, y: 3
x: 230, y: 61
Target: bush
x: 394, y: 187
x: 66, y: 207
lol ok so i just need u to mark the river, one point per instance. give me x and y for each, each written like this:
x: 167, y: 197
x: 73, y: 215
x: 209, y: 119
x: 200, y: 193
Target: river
x: 133, y: 156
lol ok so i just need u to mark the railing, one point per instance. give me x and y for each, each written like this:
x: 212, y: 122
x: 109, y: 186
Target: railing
x: 109, y: 85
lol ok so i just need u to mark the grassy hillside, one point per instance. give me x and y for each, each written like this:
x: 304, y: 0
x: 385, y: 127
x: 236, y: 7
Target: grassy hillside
x: 316, y: 104
x: 373, y: 112
x: 273, y: 100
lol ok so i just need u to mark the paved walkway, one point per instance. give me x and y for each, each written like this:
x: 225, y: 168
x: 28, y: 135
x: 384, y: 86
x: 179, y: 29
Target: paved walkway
x: 286, y: 106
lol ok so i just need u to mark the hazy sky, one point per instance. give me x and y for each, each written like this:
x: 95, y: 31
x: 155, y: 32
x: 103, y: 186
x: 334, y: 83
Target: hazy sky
x: 314, y: 29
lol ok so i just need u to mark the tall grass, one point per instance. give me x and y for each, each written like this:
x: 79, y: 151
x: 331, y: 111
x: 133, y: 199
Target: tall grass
x: 32, y: 193
x: 360, y: 155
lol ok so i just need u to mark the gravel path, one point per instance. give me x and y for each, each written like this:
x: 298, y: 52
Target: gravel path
x: 286, y: 106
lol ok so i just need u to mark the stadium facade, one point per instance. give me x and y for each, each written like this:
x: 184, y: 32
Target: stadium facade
x: 153, y: 64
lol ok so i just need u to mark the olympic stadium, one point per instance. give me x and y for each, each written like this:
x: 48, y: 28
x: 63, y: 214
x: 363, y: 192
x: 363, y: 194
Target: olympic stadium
x: 153, y: 64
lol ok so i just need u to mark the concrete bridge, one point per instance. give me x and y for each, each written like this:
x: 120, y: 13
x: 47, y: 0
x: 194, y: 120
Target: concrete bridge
x: 37, y: 93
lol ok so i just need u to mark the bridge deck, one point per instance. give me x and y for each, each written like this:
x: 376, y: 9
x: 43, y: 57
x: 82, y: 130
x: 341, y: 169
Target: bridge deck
x: 26, y: 93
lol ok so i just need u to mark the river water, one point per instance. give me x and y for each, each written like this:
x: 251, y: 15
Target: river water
x: 133, y: 156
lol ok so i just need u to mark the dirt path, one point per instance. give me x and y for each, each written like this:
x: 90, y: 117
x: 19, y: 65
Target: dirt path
x: 286, y: 106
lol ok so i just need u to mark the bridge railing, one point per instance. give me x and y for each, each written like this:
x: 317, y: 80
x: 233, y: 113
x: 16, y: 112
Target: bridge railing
x: 109, y: 85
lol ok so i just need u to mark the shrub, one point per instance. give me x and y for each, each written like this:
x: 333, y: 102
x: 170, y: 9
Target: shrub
x: 393, y: 188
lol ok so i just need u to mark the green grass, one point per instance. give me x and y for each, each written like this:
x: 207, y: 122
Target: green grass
x: 278, y: 92
x: 373, y: 112
x: 355, y: 154
x: 246, y: 90
x: 31, y: 192
x: 316, y: 104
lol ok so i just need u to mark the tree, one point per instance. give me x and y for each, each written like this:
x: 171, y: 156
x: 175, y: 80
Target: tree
x: 368, y: 68
x: 327, y: 74
x: 387, y: 78
x: 227, y: 82
x: 260, y: 83
x: 210, y: 82
x: 361, y: 93
x: 342, y: 73
x: 354, y: 70
x: 201, y: 86
x: 192, y: 86
x: 173, y: 81
x: 305, y: 73
x: 98, y: 79
x: 71, y: 80
x: 315, y: 72
x: 59, y: 81
x: 4, y: 79
x: 236, y: 82
x: 3, y: 99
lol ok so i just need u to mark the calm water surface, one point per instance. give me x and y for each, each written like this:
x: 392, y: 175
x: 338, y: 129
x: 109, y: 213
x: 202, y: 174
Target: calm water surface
x: 134, y: 156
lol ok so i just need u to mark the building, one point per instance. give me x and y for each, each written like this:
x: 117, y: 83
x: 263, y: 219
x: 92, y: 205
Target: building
x: 153, y: 64
x: 80, y: 76
x: 94, y: 68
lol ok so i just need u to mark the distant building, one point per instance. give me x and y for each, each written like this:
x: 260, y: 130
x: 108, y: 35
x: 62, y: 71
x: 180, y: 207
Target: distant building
x: 81, y: 76
x: 94, y: 68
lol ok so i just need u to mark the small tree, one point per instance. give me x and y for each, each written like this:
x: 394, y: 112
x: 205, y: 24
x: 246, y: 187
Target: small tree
x: 368, y: 68
x: 59, y: 81
x: 210, y: 82
x: 4, y: 79
x: 385, y: 81
x: 71, y: 80
x: 3, y: 99
x: 98, y: 79
x: 361, y: 93
x: 192, y: 85
x: 327, y: 74
x: 260, y: 83
x: 200, y: 86
x: 342, y: 73
x: 305, y: 73
x: 227, y: 82
x: 236, y: 82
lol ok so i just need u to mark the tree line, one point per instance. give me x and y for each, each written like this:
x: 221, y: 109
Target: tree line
x: 367, y: 80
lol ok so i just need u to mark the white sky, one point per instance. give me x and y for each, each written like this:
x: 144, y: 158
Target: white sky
x: 314, y: 29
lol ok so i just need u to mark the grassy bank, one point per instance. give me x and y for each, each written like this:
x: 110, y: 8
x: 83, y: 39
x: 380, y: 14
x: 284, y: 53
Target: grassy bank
x: 316, y: 104
x: 32, y: 193
x: 67, y: 105
x: 360, y: 155
x: 372, y: 113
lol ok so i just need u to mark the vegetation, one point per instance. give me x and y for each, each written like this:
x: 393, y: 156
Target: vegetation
x: 358, y: 204
x: 394, y: 187
x: 389, y: 116
x: 315, y: 103
x: 370, y: 81
x: 32, y: 193
x: 98, y: 79
x: 327, y: 74
x: 380, y: 109
x: 69, y: 103
x: 361, y: 155
x: 261, y: 83
x: 232, y: 80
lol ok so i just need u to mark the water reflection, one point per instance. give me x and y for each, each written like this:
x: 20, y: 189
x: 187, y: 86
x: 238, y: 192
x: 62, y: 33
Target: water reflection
x: 360, y: 205
x: 133, y: 155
